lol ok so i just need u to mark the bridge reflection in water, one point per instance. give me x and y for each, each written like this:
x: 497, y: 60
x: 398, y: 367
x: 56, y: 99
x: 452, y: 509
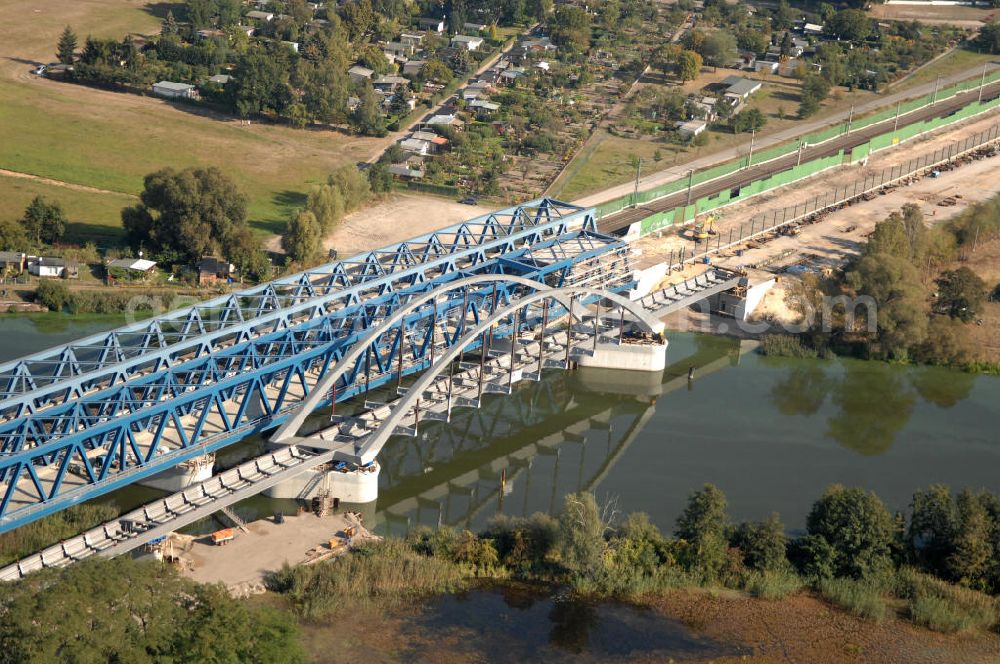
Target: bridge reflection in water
x: 553, y: 437
x: 557, y: 436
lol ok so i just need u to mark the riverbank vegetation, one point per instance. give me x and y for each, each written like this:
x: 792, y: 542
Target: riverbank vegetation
x: 45, y: 532
x: 937, y: 569
x: 912, y: 294
x: 122, y: 611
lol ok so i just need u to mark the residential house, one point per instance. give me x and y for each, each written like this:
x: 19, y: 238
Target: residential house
x: 490, y: 76
x: 434, y: 141
x: 474, y: 28
x: 470, y: 93
x: 741, y: 87
x: 359, y: 73
x: 172, y: 90
x: 12, y: 262
x: 406, y: 171
x: 388, y: 84
x: 484, y: 109
x: 706, y: 105
x: 445, y: 121
x: 43, y: 266
x: 398, y: 50
x: 431, y: 24
x: 413, y: 39
x: 413, y: 67
x: 734, y: 101
x: 467, y: 42
x: 812, y: 29
x: 766, y: 66
x: 416, y: 146
x: 219, y: 79
x: 212, y: 270
x: 510, y: 76
x: 293, y: 45
x: 248, y: 29
x: 538, y: 44
x: 266, y: 17
x: 691, y: 128
x: 543, y: 65
x: 131, y: 268
x: 209, y: 33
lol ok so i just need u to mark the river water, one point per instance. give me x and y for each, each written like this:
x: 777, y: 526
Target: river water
x: 772, y: 433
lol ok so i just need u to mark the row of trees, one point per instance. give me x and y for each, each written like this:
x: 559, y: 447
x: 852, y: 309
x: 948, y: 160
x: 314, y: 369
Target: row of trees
x: 922, y: 307
x: 853, y: 551
x: 345, y: 190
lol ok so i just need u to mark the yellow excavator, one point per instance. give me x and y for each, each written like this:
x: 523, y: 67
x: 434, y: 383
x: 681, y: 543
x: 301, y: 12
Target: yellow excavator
x: 704, y: 228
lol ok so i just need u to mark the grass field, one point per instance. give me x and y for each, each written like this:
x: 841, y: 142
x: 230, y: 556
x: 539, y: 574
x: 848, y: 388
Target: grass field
x: 110, y: 140
x: 954, y: 62
x: 93, y: 217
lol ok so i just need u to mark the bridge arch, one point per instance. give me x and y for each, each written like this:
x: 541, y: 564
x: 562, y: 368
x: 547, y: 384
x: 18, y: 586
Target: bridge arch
x: 289, y: 428
x: 371, y: 444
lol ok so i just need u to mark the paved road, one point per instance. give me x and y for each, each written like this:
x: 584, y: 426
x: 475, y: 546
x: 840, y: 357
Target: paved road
x: 621, y: 220
x: 681, y: 170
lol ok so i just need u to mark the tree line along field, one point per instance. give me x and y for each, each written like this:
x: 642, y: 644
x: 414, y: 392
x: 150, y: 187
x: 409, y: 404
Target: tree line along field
x: 109, y: 141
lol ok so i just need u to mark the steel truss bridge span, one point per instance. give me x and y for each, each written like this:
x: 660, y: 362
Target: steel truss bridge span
x: 368, y: 436
x: 495, y: 368
x: 155, y: 394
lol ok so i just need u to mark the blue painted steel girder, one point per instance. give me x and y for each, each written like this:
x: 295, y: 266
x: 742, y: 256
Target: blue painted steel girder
x: 68, y: 372
x: 243, y: 371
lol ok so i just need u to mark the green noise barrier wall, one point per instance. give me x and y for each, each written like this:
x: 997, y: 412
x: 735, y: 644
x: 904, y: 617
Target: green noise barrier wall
x: 680, y: 215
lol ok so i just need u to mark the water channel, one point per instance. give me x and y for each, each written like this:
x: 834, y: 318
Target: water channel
x: 771, y: 433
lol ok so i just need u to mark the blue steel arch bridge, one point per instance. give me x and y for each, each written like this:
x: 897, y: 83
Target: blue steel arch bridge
x: 86, y: 418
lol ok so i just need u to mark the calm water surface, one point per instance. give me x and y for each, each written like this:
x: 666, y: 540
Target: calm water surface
x: 771, y: 433
x: 516, y: 624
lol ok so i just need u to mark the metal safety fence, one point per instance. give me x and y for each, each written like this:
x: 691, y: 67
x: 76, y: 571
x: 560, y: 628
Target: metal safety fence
x: 773, y: 220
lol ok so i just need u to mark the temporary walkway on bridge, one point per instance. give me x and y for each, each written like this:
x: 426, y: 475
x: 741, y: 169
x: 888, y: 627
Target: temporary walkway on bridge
x: 686, y: 293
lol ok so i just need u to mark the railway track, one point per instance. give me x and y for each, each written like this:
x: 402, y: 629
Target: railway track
x: 618, y: 222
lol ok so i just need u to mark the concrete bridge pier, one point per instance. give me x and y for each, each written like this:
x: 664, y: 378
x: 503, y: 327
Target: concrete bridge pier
x: 646, y: 356
x: 346, y: 481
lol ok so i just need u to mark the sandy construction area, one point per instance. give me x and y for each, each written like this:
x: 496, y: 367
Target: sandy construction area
x: 397, y: 218
x: 964, y: 17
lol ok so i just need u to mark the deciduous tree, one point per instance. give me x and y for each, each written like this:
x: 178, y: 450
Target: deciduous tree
x: 859, y: 529
x: 303, y: 238
x: 961, y: 293
x: 186, y: 214
x: 703, y: 525
x: 688, y: 65
x: 44, y: 221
